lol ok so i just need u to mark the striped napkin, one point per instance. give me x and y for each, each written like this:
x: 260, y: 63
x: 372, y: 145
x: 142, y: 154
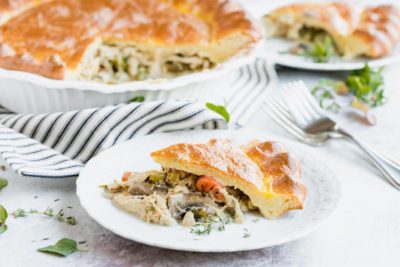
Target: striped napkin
x: 57, y: 145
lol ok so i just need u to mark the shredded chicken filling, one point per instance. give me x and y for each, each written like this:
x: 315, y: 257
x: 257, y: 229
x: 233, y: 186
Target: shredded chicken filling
x: 116, y: 64
x: 181, y: 197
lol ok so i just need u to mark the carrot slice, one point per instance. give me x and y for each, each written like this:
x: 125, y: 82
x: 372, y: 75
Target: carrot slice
x: 208, y: 184
x: 126, y: 176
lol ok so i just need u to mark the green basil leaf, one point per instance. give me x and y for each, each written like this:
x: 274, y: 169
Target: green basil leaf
x: 221, y: 110
x: 3, y: 183
x: 3, y: 219
x: 3, y: 228
x: 3, y: 215
x: 138, y: 98
x: 63, y: 247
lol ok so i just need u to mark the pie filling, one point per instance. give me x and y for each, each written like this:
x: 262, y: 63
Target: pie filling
x: 170, y: 195
x: 115, y: 64
x: 311, y: 34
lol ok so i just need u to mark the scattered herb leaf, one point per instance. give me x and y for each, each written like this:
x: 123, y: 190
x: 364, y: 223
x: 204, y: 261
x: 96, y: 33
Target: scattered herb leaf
x: 19, y: 213
x: 205, y: 226
x: 48, y: 212
x: 3, y: 183
x: 221, y: 110
x: 82, y: 242
x: 35, y: 197
x: 323, y: 92
x: 367, y: 85
x: 3, y: 219
x: 63, y: 247
x: 55, y: 200
x: 255, y: 220
x: 246, y: 233
x: 2, y: 168
x: 138, y: 98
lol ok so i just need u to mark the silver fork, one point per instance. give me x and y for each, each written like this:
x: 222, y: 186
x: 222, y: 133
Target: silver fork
x: 295, y: 109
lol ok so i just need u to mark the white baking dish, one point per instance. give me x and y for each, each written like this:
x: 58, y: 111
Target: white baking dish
x: 25, y: 92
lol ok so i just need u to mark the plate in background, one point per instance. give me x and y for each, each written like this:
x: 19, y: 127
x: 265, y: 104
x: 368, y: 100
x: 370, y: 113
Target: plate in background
x: 276, y: 50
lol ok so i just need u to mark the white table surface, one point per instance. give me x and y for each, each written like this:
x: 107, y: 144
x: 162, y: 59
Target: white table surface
x: 364, y: 230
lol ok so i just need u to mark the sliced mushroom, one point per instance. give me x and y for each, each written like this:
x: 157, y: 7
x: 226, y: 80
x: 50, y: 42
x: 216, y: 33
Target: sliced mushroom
x: 181, y: 203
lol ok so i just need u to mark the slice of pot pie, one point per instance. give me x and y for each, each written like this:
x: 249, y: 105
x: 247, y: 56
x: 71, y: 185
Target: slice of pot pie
x: 216, y: 179
x: 117, y: 41
x: 372, y: 31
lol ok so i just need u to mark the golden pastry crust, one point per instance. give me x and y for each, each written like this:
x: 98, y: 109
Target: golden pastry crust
x: 54, y: 37
x: 372, y: 31
x: 281, y: 170
x: 262, y: 170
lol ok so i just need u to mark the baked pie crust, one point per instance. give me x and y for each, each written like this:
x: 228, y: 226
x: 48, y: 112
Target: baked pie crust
x: 264, y: 171
x: 117, y: 41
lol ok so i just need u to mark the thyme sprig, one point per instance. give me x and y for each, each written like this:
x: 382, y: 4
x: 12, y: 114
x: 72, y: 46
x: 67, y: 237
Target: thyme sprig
x: 60, y: 215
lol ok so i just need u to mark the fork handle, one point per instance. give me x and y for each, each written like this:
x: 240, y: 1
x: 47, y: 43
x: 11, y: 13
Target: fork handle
x: 383, y: 163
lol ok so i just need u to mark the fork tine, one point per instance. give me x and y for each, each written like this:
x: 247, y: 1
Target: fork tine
x: 291, y: 103
x: 281, y: 110
x: 299, y: 101
x: 282, y: 120
x: 311, y: 100
x: 301, y: 93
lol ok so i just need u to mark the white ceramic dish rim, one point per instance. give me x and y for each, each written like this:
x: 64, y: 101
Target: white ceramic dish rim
x: 299, y: 234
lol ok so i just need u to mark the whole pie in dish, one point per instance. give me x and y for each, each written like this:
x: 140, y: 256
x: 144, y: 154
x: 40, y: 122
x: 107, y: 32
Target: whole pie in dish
x: 117, y: 41
x: 372, y: 31
x: 217, y: 179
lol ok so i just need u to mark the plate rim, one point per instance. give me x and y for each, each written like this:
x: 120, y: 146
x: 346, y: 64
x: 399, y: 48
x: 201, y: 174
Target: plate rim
x: 276, y: 58
x: 334, y: 179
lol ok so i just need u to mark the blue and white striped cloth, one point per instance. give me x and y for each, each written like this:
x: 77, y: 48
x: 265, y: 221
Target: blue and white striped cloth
x: 57, y: 145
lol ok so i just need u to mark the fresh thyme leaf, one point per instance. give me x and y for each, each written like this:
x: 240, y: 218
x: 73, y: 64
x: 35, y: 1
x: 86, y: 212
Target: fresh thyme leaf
x: 71, y: 220
x: 221, y: 110
x: 70, y: 207
x: 246, y: 233
x: 19, y: 213
x: 63, y: 247
x: 3, y: 219
x: 3, y: 183
x: 321, y: 51
x: 205, y: 226
x: 82, y: 242
x: 2, y: 168
x: 57, y: 199
x: 60, y: 215
x: 138, y: 98
x: 48, y: 212
x: 35, y: 197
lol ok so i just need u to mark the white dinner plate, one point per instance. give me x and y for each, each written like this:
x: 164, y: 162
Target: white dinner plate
x: 322, y: 198
x: 276, y: 50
